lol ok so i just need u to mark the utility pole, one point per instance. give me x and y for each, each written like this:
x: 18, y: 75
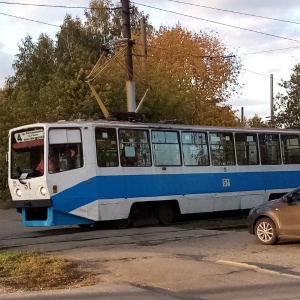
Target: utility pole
x: 242, y: 114
x: 271, y: 100
x: 130, y: 87
x: 144, y: 43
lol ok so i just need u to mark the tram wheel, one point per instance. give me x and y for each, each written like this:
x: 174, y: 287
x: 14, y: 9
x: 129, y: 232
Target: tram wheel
x: 123, y: 223
x: 85, y: 226
x: 165, y: 213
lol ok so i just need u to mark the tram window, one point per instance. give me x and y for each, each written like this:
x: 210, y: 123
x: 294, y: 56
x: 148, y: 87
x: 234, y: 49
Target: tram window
x: 195, y: 148
x: 246, y: 149
x: 166, y: 149
x: 222, y: 148
x: 134, y: 148
x: 106, y: 147
x: 65, y: 150
x: 269, y: 149
x: 290, y: 149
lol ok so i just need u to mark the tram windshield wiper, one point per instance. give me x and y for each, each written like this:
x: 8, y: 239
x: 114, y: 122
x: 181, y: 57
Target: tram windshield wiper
x: 23, y: 175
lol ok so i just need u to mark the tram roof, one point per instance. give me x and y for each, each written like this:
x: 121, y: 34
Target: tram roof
x: 104, y: 123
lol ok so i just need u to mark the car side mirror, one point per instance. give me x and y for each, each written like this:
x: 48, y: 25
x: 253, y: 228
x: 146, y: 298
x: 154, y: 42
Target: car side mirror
x: 288, y: 198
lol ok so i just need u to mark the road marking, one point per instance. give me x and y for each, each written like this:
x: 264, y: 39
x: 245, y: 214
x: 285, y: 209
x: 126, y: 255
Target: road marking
x: 256, y: 268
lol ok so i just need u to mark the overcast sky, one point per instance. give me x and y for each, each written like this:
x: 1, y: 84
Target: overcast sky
x: 274, y: 52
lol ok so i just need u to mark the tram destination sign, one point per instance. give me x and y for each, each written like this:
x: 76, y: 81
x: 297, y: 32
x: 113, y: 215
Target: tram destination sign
x: 28, y: 136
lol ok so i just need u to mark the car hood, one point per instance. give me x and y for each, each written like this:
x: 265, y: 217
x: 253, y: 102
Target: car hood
x: 270, y: 203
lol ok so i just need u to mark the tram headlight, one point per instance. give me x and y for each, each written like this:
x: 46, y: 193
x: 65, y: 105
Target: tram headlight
x: 18, y: 192
x: 43, y: 191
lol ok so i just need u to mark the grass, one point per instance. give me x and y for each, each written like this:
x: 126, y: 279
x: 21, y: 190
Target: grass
x: 5, y: 204
x: 34, y: 270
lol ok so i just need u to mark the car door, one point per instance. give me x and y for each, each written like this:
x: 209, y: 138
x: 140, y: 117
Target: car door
x: 289, y: 214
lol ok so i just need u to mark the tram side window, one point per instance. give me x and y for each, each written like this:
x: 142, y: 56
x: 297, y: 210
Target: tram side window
x: 65, y: 150
x: 222, y: 148
x: 106, y: 147
x: 269, y: 149
x: 195, y: 148
x: 246, y: 149
x: 134, y: 148
x: 166, y: 149
x: 290, y: 149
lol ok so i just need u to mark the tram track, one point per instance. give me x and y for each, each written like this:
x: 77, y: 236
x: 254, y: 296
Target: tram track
x: 67, y: 241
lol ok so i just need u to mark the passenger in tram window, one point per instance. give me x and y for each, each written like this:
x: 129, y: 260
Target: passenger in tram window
x: 40, y: 168
x: 70, y: 155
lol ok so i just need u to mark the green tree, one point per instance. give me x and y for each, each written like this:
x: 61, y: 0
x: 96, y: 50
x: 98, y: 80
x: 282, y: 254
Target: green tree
x: 287, y: 106
x: 256, y: 122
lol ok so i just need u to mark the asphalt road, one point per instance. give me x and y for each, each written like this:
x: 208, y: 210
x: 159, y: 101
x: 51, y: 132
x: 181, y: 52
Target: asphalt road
x: 163, y: 262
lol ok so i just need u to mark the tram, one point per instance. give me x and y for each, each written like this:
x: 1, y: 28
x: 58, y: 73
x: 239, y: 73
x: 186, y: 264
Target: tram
x: 84, y: 172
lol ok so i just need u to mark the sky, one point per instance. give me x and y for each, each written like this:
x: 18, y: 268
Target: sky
x: 265, y: 34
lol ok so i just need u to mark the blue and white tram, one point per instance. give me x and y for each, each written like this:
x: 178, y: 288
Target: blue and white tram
x: 82, y: 172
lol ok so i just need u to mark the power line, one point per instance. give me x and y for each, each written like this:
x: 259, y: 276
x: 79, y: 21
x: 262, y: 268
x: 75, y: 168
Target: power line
x: 260, y: 74
x: 57, y: 6
x: 26, y: 19
x: 219, y: 23
x: 235, y: 12
x: 45, y: 23
x: 180, y: 2
x: 280, y: 49
x: 191, y: 55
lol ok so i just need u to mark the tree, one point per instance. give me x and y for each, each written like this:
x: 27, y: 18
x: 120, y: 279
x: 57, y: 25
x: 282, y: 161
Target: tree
x: 287, y: 106
x: 256, y: 122
x: 192, y: 77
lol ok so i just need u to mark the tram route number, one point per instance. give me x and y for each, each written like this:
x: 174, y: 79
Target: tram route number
x: 226, y: 182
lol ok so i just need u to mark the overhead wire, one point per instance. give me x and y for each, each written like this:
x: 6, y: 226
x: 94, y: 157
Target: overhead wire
x: 174, y: 1
x: 234, y: 12
x: 219, y: 23
x: 272, y: 50
x: 206, y: 20
x: 57, y: 6
x: 31, y: 20
x: 188, y: 54
x: 260, y: 74
x: 185, y: 15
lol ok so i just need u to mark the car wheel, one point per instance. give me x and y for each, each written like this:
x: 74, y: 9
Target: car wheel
x: 265, y: 231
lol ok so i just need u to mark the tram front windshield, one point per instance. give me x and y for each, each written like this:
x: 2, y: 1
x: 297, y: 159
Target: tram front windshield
x: 27, y: 150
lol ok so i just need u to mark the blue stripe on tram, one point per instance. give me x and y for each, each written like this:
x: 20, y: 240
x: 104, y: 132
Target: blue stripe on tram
x: 131, y: 186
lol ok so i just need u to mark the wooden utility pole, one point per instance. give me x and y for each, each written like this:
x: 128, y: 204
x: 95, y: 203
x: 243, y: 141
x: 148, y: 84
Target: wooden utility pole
x: 130, y: 87
x: 144, y: 43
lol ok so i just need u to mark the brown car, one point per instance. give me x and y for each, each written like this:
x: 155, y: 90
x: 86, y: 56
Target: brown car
x: 276, y: 219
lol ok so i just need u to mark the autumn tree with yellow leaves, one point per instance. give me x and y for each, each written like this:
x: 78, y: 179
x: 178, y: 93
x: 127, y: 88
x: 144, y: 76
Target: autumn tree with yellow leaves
x: 191, y: 75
